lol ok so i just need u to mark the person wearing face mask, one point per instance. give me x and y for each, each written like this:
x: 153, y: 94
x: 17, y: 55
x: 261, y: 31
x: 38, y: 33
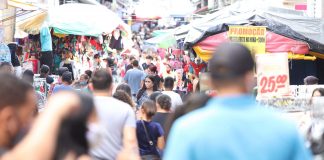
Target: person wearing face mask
x: 17, y: 107
x: 82, y: 83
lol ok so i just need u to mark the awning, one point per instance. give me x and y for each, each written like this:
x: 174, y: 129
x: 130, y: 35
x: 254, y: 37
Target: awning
x: 22, y: 5
x: 274, y: 43
x: 33, y: 23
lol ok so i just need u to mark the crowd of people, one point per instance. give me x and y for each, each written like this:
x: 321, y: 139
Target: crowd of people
x: 144, y: 117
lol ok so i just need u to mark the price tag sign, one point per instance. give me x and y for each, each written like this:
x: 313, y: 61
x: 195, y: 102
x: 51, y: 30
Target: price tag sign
x: 272, y: 75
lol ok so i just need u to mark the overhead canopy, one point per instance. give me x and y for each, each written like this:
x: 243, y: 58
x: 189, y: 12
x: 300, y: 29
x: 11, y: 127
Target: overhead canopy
x: 275, y: 44
x: 83, y: 19
x: 31, y: 24
x: 279, y: 21
x: 76, y: 19
x: 23, y: 5
x: 165, y: 39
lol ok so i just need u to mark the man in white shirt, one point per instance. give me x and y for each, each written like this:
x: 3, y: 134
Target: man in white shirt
x: 175, y: 97
x: 117, y: 128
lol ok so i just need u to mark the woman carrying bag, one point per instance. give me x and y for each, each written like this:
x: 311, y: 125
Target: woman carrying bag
x: 150, y: 134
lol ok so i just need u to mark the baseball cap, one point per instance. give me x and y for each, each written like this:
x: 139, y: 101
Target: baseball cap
x: 230, y: 60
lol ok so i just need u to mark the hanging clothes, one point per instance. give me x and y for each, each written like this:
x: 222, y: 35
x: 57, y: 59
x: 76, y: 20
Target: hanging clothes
x: 116, y: 43
x: 5, y: 55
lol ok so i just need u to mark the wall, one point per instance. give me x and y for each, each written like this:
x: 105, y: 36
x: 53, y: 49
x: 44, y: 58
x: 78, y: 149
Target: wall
x: 8, y: 25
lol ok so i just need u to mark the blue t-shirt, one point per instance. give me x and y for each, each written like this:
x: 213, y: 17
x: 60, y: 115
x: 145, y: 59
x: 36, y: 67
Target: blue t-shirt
x: 133, y: 78
x: 155, y: 131
x: 46, y: 39
x: 234, y: 127
x: 62, y: 88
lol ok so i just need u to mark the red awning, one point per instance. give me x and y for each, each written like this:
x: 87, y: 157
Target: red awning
x: 274, y: 43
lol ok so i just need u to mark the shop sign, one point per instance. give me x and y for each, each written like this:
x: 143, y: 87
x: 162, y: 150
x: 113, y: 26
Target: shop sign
x: 253, y: 37
x: 272, y: 75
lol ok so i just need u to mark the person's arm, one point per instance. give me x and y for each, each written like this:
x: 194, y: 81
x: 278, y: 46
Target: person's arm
x: 40, y: 142
x: 143, y: 79
x: 54, y: 89
x: 129, y: 131
x: 179, y: 101
x: 161, y: 143
x: 129, y: 139
x: 126, y: 77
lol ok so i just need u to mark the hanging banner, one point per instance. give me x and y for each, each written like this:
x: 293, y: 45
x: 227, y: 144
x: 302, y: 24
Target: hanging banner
x: 253, y: 37
x: 272, y: 75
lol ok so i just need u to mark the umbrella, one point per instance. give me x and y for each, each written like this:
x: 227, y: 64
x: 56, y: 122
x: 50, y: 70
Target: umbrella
x: 83, y: 19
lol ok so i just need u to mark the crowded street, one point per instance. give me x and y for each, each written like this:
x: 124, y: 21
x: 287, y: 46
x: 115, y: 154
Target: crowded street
x: 162, y: 79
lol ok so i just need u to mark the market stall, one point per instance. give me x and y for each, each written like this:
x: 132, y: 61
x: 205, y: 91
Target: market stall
x: 69, y: 27
x: 299, y: 28
x: 287, y: 31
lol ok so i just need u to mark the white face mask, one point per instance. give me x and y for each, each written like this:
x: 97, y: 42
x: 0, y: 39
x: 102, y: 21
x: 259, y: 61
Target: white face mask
x: 94, y: 135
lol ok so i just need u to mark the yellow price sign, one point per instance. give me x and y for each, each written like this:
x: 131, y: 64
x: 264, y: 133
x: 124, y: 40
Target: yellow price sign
x: 253, y: 37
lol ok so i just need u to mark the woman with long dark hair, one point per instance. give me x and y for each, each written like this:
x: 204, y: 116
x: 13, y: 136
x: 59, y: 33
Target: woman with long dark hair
x: 147, y: 89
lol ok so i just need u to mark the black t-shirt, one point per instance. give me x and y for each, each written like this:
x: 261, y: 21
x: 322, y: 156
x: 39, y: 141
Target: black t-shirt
x: 160, y: 118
